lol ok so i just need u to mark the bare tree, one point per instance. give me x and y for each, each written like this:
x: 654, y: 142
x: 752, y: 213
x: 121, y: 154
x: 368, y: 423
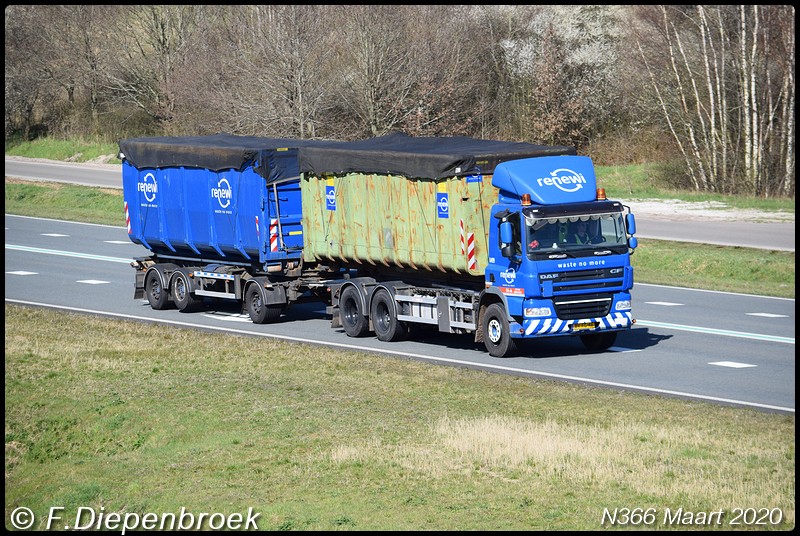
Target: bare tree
x: 257, y: 70
x: 779, y: 127
x: 23, y: 82
x: 77, y: 59
x: 718, y: 80
x: 152, y: 47
x: 559, y: 64
x: 721, y: 103
x: 447, y: 78
x: 376, y: 91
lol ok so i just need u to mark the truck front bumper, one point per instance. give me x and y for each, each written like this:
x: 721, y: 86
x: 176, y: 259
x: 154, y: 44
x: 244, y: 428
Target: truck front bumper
x: 550, y: 327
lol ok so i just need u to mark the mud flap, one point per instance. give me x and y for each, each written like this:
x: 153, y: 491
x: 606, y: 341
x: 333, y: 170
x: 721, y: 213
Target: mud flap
x: 138, y: 291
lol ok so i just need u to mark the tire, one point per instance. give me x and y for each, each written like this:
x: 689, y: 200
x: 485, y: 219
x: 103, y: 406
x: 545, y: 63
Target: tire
x: 496, y: 333
x: 185, y: 301
x: 157, y: 295
x: 384, y: 318
x: 599, y: 341
x: 260, y: 312
x: 354, y: 322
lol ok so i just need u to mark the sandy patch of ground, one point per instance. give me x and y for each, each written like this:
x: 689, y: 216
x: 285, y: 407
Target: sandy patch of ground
x: 674, y: 209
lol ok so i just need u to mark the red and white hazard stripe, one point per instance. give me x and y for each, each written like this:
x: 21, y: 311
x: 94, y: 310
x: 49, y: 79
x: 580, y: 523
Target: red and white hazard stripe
x: 463, y: 248
x: 472, y: 262
x: 273, y: 234
x: 127, y: 218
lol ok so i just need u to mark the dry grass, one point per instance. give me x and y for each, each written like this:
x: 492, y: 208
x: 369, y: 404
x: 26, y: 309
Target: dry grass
x: 144, y: 418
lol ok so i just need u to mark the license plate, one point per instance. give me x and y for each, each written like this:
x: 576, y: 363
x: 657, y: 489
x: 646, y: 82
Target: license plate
x: 582, y: 326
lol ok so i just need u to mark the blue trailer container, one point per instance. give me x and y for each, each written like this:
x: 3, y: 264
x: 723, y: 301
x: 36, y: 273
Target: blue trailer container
x: 221, y: 198
x: 222, y: 216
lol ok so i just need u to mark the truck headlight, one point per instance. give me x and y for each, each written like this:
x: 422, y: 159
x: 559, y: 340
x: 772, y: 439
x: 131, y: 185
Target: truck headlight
x: 538, y: 311
x: 623, y: 305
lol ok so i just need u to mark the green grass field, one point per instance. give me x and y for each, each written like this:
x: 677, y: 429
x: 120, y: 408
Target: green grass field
x: 138, y: 418
x: 131, y: 419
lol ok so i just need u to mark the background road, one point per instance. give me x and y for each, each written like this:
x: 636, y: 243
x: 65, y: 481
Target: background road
x: 710, y: 346
x: 662, y: 221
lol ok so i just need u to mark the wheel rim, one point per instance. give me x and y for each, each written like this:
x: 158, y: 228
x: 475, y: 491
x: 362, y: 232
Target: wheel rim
x: 382, y: 318
x: 495, y: 330
x: 180, y: 289
x: 255, y: 302
x: 155, y: 288
x: 350, y: 312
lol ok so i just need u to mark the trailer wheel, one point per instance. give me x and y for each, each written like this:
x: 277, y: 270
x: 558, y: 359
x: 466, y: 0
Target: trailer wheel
x: 384, y: 318
x: 350, y: 312
x: 260, y: 312
x: 599, y: 341
x: 182, y: 295
x: 157, y: 295
x: 496, y: 334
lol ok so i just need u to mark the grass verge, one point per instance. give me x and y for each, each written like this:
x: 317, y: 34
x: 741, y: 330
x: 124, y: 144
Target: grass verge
x: 314, y: 439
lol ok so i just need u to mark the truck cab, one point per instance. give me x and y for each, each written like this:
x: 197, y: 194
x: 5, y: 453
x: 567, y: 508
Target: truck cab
x: 559, y: 254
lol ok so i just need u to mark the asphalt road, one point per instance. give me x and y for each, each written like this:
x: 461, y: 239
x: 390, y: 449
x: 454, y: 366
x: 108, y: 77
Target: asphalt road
x: 713, y: 347
x: 778, y: 236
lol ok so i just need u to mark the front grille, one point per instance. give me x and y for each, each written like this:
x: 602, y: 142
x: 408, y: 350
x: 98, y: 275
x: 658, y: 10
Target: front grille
x: 586, y: 306
x: 584, y: 280
x: 565, y: 277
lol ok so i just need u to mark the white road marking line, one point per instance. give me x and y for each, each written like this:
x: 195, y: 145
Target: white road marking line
x: 768, y: 315
x: 229, y: 317
x: 93, y: 282
x: 732, y: 364
x: 22, y: 272
x: 664, y: 303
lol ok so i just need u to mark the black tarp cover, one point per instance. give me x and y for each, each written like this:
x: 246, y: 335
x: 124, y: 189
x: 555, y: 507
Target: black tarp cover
x: 280, y: 159
x: 418, y: 157
x: 275, y: 158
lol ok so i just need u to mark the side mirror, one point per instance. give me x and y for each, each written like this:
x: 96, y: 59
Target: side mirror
x: 631, y: 222
x: 633, y: 242
x: 506, y: 239
x: 506, y: 232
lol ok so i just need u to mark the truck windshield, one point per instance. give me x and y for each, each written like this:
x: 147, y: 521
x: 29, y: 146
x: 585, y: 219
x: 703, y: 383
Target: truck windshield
x: 580, y: 234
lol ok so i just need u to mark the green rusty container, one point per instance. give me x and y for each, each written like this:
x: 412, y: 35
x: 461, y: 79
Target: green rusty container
x: 397, y: 222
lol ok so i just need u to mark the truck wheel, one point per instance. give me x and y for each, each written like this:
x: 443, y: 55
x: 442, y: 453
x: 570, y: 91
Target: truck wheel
x: 599, y: 341
x: 353, y: 320
x: 496, y: 334
x: 259, y: 311
x: 182, y: 295
x: 384, y: 318
x: 156, y: 293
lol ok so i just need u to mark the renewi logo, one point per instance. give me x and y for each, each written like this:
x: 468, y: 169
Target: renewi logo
x: 564, y: 179
x: 222, y: 193
x: 509, y: 276
x: 149, y: 187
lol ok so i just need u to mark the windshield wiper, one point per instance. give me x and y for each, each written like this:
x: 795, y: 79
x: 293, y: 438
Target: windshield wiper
x: 604, y: 252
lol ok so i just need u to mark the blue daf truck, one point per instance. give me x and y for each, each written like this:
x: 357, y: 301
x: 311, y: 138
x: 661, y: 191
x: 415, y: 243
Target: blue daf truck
x: 498, y: 240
